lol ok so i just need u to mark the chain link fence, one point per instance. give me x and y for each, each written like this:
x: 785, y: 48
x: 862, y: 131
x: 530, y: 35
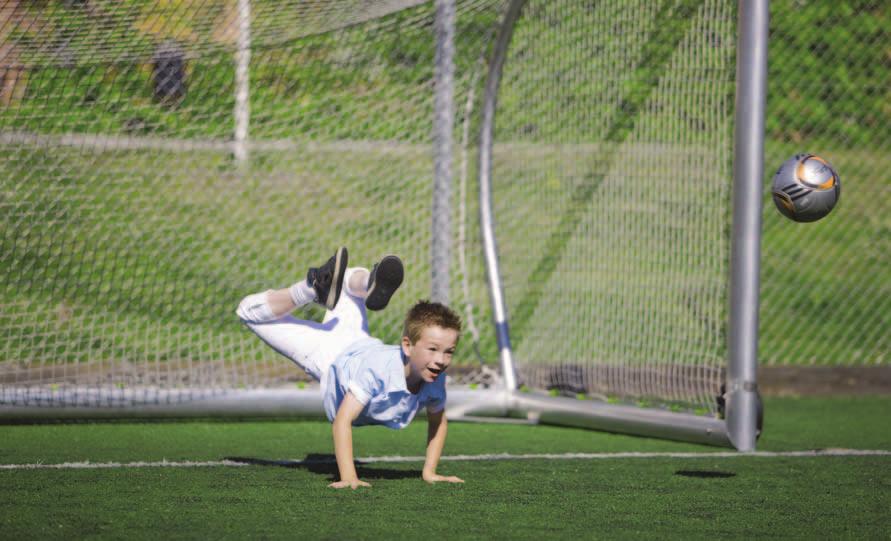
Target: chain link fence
x: 826, y: 286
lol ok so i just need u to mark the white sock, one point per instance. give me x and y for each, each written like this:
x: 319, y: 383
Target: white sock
x: 302, y: 294
x: 255, y: 309
x: 353, y: 284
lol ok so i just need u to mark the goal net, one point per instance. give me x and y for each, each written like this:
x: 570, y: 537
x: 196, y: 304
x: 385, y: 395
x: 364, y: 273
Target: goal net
x: 612, y: 175
x: 159, y: 161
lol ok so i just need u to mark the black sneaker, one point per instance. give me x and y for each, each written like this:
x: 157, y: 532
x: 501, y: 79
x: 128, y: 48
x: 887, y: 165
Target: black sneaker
x: 327, y: 280
x: 384, y: 280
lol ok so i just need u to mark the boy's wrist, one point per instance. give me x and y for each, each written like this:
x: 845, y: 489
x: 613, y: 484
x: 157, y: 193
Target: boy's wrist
x: 348, y: 474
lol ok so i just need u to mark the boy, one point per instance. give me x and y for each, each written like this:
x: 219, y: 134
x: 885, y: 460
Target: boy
x: 363, y: 381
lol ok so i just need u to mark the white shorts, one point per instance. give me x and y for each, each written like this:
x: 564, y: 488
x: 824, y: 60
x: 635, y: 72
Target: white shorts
x: 311, y: 345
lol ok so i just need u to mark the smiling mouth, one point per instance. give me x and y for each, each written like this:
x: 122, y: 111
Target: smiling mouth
x: 434, y: 371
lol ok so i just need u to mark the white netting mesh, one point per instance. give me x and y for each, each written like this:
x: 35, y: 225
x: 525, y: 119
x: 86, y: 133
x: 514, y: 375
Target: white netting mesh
x: 130, y: 233
x: 612, y: 175
x: 98, y: 31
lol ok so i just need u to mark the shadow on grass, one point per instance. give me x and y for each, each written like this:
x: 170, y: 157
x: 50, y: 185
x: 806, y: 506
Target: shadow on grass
x: 705, y: 474
x: 326, y: 464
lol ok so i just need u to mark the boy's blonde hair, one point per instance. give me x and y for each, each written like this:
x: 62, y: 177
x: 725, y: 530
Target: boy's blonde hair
x: 429, y: 314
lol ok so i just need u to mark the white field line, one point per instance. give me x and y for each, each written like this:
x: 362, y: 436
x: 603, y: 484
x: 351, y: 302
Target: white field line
x: 454, y: 458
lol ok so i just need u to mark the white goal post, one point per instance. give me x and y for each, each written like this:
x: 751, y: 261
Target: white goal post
x: 603, y: 150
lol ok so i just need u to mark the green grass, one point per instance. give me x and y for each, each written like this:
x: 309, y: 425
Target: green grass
x: 801, y: 498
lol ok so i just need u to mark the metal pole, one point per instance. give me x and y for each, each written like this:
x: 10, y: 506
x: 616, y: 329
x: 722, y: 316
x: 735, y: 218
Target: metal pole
x: 443, y: 119
x: 242, y: 82
x: 487, y: 225
x: 743, y: 402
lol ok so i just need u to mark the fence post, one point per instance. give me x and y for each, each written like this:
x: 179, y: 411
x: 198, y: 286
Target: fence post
x: 443, y: 119
x: 242, y: 82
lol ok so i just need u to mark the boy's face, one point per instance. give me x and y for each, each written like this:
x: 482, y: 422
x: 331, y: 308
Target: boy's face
x: 432, y: 353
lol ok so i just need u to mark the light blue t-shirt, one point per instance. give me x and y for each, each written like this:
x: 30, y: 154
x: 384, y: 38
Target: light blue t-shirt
x: 375, y: 374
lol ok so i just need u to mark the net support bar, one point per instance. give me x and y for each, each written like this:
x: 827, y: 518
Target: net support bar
x: 487, y: 224
x: 462, y: 405
x: 655, y: 423
x: 743, y: 403
x: 260, y: 403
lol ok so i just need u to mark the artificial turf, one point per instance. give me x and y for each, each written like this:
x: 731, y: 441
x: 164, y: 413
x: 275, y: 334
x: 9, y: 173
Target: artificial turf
x: 739, y: 497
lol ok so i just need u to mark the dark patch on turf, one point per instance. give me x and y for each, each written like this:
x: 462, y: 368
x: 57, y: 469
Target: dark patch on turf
x: 326, y: 464
x: 705, y: 474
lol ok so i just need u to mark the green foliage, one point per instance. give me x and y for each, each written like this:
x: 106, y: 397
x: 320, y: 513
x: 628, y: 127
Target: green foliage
x: 816, y: 272
x: 829, y: 80
x: 375, y: 79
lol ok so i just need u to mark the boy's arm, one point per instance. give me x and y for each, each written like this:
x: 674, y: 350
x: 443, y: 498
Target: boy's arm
x: 437, y: 426
x: 342, y: 428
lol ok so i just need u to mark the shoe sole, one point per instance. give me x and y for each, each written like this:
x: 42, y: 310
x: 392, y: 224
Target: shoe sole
x: 387, y: 278
x: 341, y: 258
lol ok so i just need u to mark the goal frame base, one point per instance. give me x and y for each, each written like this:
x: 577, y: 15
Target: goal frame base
x: 464, y: 404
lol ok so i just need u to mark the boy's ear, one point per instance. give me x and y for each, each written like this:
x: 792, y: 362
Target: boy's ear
x: 406, y: 346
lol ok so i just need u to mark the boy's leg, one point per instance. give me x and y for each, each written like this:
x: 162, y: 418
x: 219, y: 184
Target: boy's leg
x: 349, y: 314
x: 323, y: 285
x: 348, y: 319
x: 307, y: 343
x: 314, y: 346
x: 364, y: 289
x: 371, y: 290
x: 296, y: 339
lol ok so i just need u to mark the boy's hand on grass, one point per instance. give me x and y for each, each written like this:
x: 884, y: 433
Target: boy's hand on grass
x: 350, y: 483
x: 436, y: 478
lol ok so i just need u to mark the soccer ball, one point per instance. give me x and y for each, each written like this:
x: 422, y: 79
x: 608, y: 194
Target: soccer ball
x: 805, y: 188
